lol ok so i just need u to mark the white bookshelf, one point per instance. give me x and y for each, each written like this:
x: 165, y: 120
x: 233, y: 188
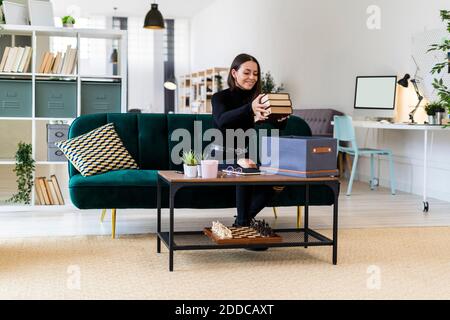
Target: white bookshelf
x: 79, y: 34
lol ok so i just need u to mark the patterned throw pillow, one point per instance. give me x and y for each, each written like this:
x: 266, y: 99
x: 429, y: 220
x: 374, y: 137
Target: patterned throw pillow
x: 98, y: 151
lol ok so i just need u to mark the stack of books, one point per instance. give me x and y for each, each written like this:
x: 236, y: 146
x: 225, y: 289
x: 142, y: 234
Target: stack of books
x: 59, y: 63
x: 16, y: 59
x: 279, y: 105
x: 48, y: 191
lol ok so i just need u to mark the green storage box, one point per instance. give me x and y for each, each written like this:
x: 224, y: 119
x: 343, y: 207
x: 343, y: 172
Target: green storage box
x: 56, y: 99
x: 100, y: 97
x: 15, y: 98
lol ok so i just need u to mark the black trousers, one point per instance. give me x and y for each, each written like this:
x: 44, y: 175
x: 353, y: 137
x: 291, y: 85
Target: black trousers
x: 250, y: 200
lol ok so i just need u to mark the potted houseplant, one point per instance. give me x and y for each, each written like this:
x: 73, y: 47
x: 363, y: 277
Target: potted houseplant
x: 25, y: 165
x: 268, y: 84
x: 68, y: 21
x: 435, y: 112
x: 190, y: 164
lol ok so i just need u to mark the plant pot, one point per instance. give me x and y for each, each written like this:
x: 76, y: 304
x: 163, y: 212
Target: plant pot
x: 67, y: 25
x: 199, y: 171
x: 440, y: 116
x: 190, y: 171
x: 432, y: 119
x: 210, y: 169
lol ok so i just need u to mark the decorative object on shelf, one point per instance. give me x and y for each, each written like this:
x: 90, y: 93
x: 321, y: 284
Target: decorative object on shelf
x: 16, y: 59
x: 262, y: 227
x: 68, y: 21
x: 91, y: 153
x: 154, y: 19
x: 41, y: 13
x: 48, y: 191
x: 14, y: 13
x: 404, y: 82
x: 24, y: 169
x: 221, y: 231
x: 190, y: 163
x: 438, y: 84
x: 436, y: 112
x: 268, y: 84
x: 210, y: 169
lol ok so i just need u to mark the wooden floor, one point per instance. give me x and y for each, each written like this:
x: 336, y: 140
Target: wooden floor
x: 364, y: 209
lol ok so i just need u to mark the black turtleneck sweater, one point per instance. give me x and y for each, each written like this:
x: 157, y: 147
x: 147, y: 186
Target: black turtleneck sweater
x: 233, y: 110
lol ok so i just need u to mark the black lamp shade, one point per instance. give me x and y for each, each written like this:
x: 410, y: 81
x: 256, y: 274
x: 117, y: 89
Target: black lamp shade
x: 154, y: 18
x: 404, y: 82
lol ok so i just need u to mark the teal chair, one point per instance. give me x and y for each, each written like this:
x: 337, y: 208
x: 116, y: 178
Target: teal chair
x: 344, y: 132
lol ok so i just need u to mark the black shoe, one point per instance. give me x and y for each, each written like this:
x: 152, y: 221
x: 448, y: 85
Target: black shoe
x: 257, y: 249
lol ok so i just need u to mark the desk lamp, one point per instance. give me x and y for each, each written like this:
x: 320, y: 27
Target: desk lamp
x: 404, y: 83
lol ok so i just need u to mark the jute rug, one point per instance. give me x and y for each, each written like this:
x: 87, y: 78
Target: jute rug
x: 373, y: 264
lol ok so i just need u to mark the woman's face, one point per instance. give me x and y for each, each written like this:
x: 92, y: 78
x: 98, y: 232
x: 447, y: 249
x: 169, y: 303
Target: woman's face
x: 247, y: 75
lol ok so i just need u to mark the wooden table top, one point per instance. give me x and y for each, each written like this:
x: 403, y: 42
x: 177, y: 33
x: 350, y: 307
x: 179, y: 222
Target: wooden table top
x: 174, y: 177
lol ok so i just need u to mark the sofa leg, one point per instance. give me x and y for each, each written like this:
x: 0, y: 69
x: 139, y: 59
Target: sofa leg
x: 113, y: 224
x: 275, y: 212
x: 102, y: 218
x: 299, y: 216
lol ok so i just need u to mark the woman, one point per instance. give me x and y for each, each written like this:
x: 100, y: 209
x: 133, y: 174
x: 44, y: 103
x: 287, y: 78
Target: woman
x: 239, y: 107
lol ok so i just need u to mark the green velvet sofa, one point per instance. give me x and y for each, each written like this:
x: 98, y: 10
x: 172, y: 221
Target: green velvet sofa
x: 147, y: 138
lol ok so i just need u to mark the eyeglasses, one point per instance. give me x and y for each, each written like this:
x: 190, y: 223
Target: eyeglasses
x: 232, y: 170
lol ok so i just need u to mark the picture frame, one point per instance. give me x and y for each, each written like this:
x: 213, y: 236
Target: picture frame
x: 41, y: 13
x: 15, y: 13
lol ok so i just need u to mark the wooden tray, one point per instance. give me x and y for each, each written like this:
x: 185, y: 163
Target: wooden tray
x: 244, y: 239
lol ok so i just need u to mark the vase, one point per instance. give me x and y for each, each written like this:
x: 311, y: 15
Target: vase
x: 190, y: 171
x: 67, y: 25
x: 431, y: 120
x: 440, y: 116
x: 210, y: 168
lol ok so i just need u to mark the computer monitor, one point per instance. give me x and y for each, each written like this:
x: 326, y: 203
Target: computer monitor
x: 375, y: 97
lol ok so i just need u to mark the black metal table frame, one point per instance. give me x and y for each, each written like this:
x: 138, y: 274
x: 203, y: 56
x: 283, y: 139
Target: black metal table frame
x: 174, y: 187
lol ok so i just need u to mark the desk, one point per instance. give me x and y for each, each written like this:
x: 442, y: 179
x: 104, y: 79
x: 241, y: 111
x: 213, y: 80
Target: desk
x: 404, y: 126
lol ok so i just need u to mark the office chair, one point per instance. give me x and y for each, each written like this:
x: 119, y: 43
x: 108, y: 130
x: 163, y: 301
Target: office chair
x: 344, y: 131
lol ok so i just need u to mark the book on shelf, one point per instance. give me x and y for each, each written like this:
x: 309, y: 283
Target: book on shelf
x: 40, y: 195
x: 49, y: 64
x: 57, y: 190
x: 52, y: 192
x: 44, y: 190
x: 4, y: 58
x: 58, y: 59
x: 25, y: 61
x: 49, y: 193
x: 10, y: 60
x: 17, y: 59
x: 44, y: 62
x: 275, y: 96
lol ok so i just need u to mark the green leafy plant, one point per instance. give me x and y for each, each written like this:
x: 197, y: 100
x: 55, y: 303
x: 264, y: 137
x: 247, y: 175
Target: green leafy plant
x: 438, y: 84
x: 25, y: 165
x: 68, y: 20
x: 268, y: 84
x: 190, y: 158
x: 433, y: 107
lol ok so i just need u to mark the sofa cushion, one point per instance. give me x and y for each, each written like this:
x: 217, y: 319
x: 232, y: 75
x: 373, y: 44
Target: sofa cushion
x: 121, y: 178
x: 98, y: 151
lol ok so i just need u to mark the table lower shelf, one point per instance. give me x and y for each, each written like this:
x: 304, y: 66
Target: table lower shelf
x: 290, y: 238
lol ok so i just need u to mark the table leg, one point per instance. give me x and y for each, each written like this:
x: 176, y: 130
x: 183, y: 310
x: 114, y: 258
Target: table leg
x: 306, y: 213
x: 425, y: 163
x: 335, y: 224
x: 158, y: 219
x: 171, y: 205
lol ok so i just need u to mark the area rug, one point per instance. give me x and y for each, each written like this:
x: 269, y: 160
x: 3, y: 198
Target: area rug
x: 408, y: 263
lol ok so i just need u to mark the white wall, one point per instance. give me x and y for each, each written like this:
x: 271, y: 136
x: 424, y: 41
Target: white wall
x: 317, y: 48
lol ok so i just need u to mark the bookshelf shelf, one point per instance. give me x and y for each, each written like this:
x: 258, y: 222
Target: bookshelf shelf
x: 42, y: 91
x: 197, y: 88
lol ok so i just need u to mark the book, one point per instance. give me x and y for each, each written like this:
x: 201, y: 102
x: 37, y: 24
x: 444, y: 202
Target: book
x: 10, y: 60
x: 18, y: 59
x: 28, y: 61
x: 280, y: 110
x: 52, y: 190
x: 66, y: 60
x: 49, y: 193
x: 275, y: 96
x: 278, y: 103
x: 57, y: 62
x: 44, y: 62
x: 58, y: 190
x: 74, y: 63
x: 40, y: 195
x: 44, y: 191
x: 23, y: 61
x: 4, y: 58
x: 70, y: 61
x: 49, y: 64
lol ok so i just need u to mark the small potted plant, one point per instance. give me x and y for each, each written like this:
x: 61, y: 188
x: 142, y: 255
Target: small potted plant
x: 190, y: 164
x: 434, y: 111
x: 68, y: 21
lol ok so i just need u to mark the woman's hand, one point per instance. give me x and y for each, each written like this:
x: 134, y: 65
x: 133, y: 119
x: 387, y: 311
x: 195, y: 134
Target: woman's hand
x: 259, y: 109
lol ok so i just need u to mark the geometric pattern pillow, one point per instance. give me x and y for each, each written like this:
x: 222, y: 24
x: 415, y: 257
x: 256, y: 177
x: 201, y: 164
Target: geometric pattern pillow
x: 98, y: 151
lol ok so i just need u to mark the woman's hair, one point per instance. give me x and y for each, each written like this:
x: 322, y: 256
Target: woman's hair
x: 236, y: 65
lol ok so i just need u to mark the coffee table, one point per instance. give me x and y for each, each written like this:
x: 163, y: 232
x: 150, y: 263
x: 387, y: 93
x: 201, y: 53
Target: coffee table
x: 197, y: 240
